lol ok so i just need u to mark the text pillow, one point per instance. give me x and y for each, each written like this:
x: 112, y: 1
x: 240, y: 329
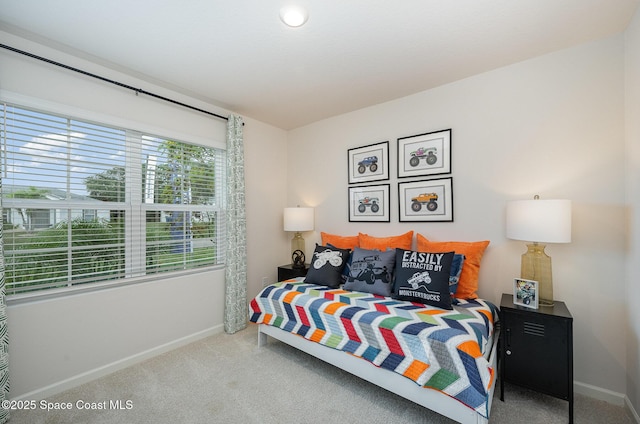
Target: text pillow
x: 423, y: 277
x: 326, y: 266
x: 371, y: 271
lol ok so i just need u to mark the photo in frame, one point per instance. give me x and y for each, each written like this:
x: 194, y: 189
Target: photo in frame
x: 369, y: 203
x: 368, y: 163
x: 424, y: 154
x: 426, y: 201
x: 525, y: 293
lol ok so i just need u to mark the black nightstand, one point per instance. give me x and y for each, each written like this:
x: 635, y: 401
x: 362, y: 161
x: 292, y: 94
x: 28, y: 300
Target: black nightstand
x: 537, y: 349
x: 286, y: 272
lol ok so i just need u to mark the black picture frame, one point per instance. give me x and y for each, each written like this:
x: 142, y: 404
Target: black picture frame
x: 425, y: 154
x: 426, y: 200
x: 369, y: 203
x: 368, y: 163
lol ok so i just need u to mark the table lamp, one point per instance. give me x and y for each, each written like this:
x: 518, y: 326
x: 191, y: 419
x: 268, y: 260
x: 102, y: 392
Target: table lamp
x: 298, y: 220
x: 539, y: 221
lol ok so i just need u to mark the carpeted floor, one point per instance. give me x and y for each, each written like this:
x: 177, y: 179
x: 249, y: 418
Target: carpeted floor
x: 228, y: 379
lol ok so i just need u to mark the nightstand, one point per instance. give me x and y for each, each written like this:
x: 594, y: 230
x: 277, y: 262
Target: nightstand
x: 286, y: 272
x: 537, y: 349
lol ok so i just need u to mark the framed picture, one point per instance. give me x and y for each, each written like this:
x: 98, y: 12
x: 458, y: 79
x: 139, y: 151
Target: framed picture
x: 426, y: 201
x: 424, y: 154
x: 369, y: 203
x: 525, y: 293
x: 369, y: 163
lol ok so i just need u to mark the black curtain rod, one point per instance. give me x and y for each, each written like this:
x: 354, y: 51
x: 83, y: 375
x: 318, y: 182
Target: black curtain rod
x: 137, y: 90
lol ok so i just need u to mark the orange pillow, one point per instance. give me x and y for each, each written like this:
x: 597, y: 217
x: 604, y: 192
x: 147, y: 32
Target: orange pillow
x: 402, y: 241
x: 341, y: 242
x: 473, y: 251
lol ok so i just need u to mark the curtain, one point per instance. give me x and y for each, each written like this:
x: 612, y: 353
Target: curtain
x: 235, y: 306
x: 4, y: 340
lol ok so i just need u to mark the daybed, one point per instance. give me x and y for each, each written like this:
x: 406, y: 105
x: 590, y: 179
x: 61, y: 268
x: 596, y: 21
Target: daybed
x: 443, y: 357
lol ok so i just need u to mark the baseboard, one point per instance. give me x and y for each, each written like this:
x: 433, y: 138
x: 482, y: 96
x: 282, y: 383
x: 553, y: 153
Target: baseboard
x: 632, y: 411
x: 599, y: 393
x: 88, y: 376
x: 615, y: 398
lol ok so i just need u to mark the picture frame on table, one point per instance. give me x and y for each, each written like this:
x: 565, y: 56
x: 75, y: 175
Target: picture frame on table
x: 424, y: 154
x: 369, y: 203
x: 426, y: 201
x: 368, y: 163
x: 525, y: 293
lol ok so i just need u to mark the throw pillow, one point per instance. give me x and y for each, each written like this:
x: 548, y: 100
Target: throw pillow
x: 343, y: 242
x: 423, y: 277
x: 403, y: 241
x: 456, y: 270
x: 371, y: 271
x: 326, y: 266
x: 472, y: 251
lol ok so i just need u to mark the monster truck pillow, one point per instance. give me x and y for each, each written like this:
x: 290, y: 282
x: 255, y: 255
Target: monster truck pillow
x: 423, y: 277
x: 371, y: 271
x: 326, y: 266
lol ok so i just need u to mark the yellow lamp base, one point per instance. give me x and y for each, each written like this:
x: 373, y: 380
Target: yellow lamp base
x: 536, y: 265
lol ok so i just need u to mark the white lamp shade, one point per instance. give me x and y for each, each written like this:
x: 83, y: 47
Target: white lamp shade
x: 298, y: 219
x: 542, y: 221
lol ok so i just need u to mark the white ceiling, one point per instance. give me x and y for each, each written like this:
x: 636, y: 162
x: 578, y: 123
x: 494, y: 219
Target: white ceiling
x: 237, y: 54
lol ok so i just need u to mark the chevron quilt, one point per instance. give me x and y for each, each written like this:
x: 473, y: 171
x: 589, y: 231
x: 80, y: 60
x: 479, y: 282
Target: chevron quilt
x: 436, y: 348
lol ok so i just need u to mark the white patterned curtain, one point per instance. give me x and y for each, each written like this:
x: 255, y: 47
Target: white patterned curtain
x: 235, y: 305
x: 4, y: 339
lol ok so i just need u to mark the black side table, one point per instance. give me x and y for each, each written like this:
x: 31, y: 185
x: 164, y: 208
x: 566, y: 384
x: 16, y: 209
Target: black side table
x: 537, y: 349
x: 286, y: 272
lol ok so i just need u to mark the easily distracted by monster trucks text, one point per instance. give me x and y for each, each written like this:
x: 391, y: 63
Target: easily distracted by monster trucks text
x: 428, y: 199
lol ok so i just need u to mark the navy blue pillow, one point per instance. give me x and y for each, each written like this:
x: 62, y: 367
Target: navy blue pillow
x: 423, y: 277
x: 326, y: 266
x: 456, y: 270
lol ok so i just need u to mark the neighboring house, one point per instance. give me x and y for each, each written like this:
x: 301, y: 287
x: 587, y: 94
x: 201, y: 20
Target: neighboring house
x: 32, y: 218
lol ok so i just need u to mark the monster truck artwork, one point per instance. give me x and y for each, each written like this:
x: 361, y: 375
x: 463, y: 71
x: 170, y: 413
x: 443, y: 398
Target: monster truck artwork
x: 331, y: 256
x: 419, y: 277
x: 365, y: 269
x: 371, y: 162
x: 369, y: 201
x: 423, y: 153
x: 429, y: 199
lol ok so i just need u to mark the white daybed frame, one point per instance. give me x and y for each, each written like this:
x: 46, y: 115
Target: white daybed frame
x: 389, y: 380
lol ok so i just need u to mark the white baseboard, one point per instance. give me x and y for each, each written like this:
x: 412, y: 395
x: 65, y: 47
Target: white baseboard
x: 102, y: 371
x: 599, y: 393
x: 631, y: 409
x: 606, y: 395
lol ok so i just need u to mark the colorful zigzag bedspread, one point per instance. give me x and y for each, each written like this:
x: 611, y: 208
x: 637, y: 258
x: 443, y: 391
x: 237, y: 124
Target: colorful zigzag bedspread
x: 436, y: 348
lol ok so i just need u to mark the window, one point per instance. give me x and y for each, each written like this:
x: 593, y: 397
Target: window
x: 84, y: 202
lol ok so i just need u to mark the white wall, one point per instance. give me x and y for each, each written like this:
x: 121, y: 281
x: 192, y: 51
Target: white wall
x: 59, y: 343
x: 551, y: 126
x: 632, y: 108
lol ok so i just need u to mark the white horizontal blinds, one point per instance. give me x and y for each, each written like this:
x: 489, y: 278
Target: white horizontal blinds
x: 59, y: 230
x: 180, y: 198
x: 84, y: 202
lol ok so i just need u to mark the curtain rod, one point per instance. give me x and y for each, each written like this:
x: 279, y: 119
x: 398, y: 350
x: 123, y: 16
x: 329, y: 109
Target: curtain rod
x: 137, y: 90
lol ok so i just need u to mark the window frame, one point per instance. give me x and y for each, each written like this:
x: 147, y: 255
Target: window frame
x: 134, y: 207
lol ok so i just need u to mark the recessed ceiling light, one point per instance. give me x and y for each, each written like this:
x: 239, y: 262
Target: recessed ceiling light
x: 294, y: 16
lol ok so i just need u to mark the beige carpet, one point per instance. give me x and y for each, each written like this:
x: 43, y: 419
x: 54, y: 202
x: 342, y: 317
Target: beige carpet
x: 228, y: 379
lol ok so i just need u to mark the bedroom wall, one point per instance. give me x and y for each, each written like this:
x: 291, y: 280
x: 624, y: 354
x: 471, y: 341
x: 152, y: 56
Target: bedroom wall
x: 58, y: 343
x: 552, y: 126
x: 632, y: 109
